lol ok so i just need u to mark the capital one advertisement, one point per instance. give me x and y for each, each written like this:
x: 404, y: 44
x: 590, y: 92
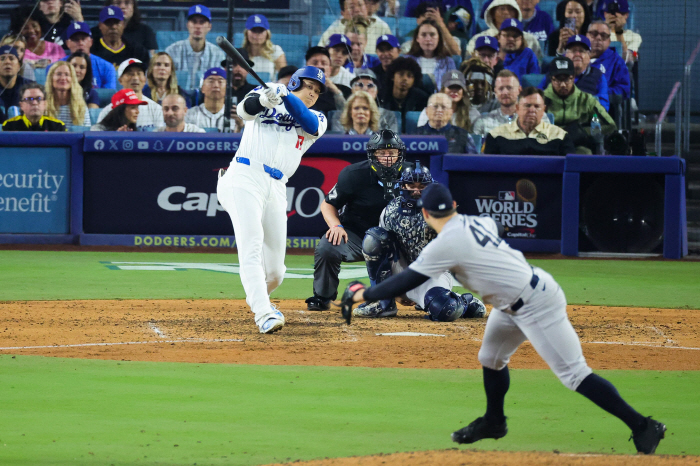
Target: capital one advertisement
x: 528, y: 206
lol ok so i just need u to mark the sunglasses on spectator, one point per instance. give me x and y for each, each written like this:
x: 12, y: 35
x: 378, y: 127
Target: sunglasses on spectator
x: 32, y: 99
x: 596, y: 34
x: 363, y: 85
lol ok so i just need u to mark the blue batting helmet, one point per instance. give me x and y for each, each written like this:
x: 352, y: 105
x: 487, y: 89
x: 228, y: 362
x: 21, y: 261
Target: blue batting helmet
x: 307, y: 72
x: 443, y: 305
x: 416, y: 174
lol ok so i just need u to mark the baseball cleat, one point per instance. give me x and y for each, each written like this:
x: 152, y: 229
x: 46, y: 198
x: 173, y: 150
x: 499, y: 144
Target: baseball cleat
x: 274, y: 322
x: 375, y: 310
x: 317, y: 303
x: 480, y: 429
x: 647, y: 439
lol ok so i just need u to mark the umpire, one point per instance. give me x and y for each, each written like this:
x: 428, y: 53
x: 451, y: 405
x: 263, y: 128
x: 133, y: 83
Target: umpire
x: 363, y: 190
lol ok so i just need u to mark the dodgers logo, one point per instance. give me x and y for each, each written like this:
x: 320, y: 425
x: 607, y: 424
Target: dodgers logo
x: 320, y: 74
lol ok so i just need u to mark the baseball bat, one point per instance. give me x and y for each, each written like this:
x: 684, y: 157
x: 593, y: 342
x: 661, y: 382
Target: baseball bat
x: 231, y: 51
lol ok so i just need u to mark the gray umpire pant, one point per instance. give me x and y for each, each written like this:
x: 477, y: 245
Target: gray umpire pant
x: 327, y: 260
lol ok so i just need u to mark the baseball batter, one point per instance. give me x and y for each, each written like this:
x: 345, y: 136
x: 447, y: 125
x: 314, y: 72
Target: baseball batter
x: 528, y: 305
x: 279, y: 129
x: 397, y: 241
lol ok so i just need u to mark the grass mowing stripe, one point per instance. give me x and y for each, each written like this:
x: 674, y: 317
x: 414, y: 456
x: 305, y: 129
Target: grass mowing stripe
x: 48, y: 275
x: 70, y: 411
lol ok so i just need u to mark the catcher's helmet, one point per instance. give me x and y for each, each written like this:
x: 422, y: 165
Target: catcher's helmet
x: 307, y: 72
x: 386, y: 139
x: 443, y: 305
x: 417, y: 174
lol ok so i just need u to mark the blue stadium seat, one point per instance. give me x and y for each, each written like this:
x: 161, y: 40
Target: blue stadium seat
x: 185, y: 82
x: 428, y: 84
x: 477, y: 141
x: 412, y: 122
x: 94, y: 114
x: 78, y: 129
x: 549, y: 6
x: 105, y: 96
x: 617, y: 46
x: 327, y: 20
x: 294, y: 46
x: 166, y: 38
x: 314, y: 40
x: 211, y: 130
x: 550, y: 115
x: 630, y: 20
x: 531, y: 80
x: 40, y: 75
x: 405, y: 26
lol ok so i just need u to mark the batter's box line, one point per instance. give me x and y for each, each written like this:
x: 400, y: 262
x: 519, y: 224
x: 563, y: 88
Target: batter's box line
x: 639, y: 344
x: 82, y: 345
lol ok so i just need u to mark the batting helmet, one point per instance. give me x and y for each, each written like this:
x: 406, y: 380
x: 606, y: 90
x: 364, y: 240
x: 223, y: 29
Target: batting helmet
x: 417, y: 174
x: 473, y: 307
x: 443, y: 305
x: 386, y: 139
x: 307, y: 72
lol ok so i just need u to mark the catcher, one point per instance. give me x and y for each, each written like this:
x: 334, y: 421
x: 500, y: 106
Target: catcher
x: 397, y: 241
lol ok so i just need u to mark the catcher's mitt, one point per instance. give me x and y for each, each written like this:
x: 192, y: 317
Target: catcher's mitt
x: 346, y: 301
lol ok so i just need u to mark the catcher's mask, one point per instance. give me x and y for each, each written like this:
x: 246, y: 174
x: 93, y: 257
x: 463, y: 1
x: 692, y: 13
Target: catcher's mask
x: 386, y: 139
x: 417, y: 174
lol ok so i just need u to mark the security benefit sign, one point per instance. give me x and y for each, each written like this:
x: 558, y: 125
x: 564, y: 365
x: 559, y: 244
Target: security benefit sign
x: 528, y: 206
x: 34, y: 190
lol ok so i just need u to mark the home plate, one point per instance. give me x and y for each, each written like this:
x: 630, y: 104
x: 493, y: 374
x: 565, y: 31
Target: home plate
x: 409, y: 334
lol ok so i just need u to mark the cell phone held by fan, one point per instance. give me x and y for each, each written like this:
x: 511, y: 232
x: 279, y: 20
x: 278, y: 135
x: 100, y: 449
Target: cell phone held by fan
x: 570, y: 23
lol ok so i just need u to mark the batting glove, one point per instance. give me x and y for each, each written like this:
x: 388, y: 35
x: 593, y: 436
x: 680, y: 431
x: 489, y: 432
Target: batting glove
x: 280, y: 89
x: 269, y: 99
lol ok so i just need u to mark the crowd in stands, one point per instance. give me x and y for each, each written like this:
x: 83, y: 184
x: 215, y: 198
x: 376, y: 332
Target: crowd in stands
x: 504, y: 78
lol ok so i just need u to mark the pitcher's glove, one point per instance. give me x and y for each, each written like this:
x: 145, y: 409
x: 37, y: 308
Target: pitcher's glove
x: 346, y: 301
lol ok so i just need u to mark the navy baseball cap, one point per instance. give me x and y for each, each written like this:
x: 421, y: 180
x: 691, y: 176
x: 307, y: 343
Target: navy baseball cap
x: 78, y: 27
x: 111, y: 12
x: 389, y: 39
x: 214, y: 72
x: 200, y: 10
x: 512, y: 24
x: 5, y: 49
x: 257, y: 21
x: 562, y: 65
x: 487, y: 41
x: 579, y: 39
x: 436, y: 198
x: 339, y: 39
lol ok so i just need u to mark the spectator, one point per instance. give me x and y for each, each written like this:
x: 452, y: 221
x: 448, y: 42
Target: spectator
x: 26, y: 70
x: 123, y: 114
x: 64, y: 96
x: 382, y: 7
x: 240, y: 87
x: 112, y: 47
x: 355, y: 11
x: 412, y: 6
x: 529, y: 133
x: 535, y: 21
x: 507, y: 90
x: 339, y: 51
x: 257, y: 40
x: 79, y: 38
x: 616, y: 15
x: 573, y: 110
x: 439, y: 124
x: 135, y: 32
x: 428, y: 49
x: 83, y: 71
x: 366, y: 81
x: 387, y: 51
x: 358, y: 58
x: 10, y: 81
x: 334, y: 97
x: 454, y: 85
x: 161, y: 79
x: 574, y: 17
x: 360, y: 115
x: 33, y: 106
x: 459, y: 24
x: 131, y: 76
x: 588, y: 78
x: 431, y: 11
x: 285, y: 74
x: 486, y: 49
x: 608, y: 61
x: 516, y: 57
x: 480, y: 80
x: 32, y: 24
x: 497, y: 12
x: 60, y: 13
x: 174, y: 109
x: 195, y: 54
x: 402, y: 93
x: 210, y: 114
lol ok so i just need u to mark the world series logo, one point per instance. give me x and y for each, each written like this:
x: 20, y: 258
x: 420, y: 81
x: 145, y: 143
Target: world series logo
x: 515, y: 210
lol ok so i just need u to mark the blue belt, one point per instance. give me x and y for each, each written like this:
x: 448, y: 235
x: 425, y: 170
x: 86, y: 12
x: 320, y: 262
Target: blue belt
x: 519, y: 303
x: 273, y: 172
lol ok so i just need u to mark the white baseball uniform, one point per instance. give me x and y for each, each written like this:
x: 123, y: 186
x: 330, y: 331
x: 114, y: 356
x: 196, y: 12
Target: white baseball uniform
x: 257, y: 202
x: 528, y: 303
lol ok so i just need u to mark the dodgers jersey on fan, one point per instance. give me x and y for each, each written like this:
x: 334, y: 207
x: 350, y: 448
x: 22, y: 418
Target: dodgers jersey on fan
x: 274, y: 138
x: 470, y: 248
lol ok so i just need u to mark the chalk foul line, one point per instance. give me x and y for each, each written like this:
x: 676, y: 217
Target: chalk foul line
x: 647, y: 344
x: 80, y: 345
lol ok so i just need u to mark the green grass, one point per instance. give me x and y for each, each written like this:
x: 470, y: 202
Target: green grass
x: 34, y: 275
x: 69, y: 411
